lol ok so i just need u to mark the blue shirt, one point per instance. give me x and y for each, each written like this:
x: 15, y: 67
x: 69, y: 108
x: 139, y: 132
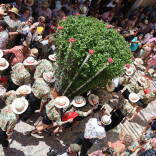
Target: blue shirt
x: 134, y: 46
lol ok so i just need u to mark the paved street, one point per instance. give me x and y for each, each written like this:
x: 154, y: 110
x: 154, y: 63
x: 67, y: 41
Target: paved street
x: 38, y: 145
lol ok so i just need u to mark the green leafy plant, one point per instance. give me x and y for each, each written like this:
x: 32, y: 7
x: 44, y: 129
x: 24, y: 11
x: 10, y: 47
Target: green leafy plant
x: 78, y: 37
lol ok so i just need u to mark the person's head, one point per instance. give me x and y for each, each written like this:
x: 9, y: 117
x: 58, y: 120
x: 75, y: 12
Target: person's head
x: 25, y: 46
x: 45, y: 5
x: 146, y: 21
x: 142, y: 140
x: 107, y: 152
x: 26, y: 12
x: 127, y: 140
x: 140, y: 37
x: 41, y: 20
x: 13, y: 13
x: 74, y: 148
x: 30, y: 21
x: 3, y: 25
x: 51, y: 40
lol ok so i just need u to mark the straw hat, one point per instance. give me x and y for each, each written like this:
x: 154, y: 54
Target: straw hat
x: 143, y: 81
x: 93, y: 99
x: 24, y: 90
x: 30, y: 61
x: 78, y: 101
x: 34, y: 52
x: 4, y: 64
x: 138, y: 61
x: 19, y: 105
x: 110, y: 87
x: 49, y: 77
x: 29, y: 2
x: 15, y: 11
x: 52, y: 57
x: 1, y: 53
x: 61, y: 102
x: 130, y: 69
x: 133, y: 97
x: 106, y: 120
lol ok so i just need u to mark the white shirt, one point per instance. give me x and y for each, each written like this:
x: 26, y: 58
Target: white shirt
x: 3, y: 39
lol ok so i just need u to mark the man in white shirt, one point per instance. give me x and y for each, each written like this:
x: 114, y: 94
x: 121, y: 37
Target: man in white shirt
x: 3, y: 34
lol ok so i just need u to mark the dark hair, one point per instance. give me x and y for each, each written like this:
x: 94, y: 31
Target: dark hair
x: 3, y: 24
x: 108, y: 151
x: 51, y: 152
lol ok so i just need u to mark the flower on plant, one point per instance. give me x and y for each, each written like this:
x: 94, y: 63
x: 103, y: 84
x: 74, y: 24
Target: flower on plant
x: 91, y: 51
x: 76, y: 13
x: 60, y: 28
x: 109, y: 26
x: 128, y: 66
x: 147, y: 91
x: 72, y: 40
x: 110, y: 60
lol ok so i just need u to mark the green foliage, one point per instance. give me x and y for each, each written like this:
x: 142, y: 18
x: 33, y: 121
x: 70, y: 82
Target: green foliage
x: 90, y: 33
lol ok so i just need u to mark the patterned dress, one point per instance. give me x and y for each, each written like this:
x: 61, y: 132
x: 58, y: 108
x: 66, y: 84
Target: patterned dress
x: 20, y: 75
x: 53, y: 113
x: 41, y: 90
x: 8, y: 119
x: 43, y: 66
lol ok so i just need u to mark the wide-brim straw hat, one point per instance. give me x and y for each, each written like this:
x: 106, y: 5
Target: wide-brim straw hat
x: 49, y: 77
x: 93, y: 99
x: 1, y: 53
x: 52, y: 57
x: 143, y: 81
x: 4, y: 64
x: 15, y: 11
x: 61, y: 102
x: 79, y: 101
x: 130, y: 71
x: 110, y: 87
x: 138, y: 61
x: 29, y: 4
x: 106, y: 120
x: 30, y: 61
x: 23, y: 90
x: 19, y: 105
x: 133, y: 97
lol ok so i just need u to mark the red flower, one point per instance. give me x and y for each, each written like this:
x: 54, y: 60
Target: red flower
x: 147, y: 91
x: 91, y: 51
x: 128, y: 66
x: 109, y: 26
x: 71, y: 40
x: 76, y: 13
x: 110, y: 60
x: 60, y: 28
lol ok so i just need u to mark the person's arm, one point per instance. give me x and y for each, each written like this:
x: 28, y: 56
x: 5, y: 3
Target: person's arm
x: 14, y: 33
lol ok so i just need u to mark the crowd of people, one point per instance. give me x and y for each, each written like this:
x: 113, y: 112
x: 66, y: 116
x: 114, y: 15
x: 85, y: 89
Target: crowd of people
x: 27, y: 75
